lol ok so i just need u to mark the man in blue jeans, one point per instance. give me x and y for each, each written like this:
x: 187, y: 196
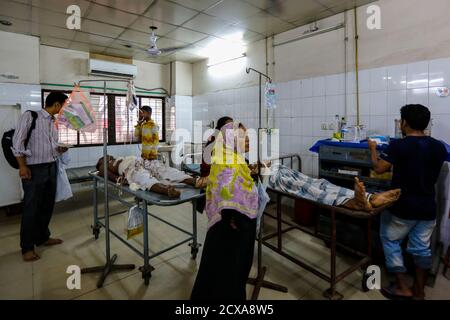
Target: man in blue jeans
x: 416, y: 162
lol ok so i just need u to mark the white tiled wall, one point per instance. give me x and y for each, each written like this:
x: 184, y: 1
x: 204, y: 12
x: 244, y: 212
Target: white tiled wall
x: 88, y: 156
x: 241, y: 104
x: 303, y: 105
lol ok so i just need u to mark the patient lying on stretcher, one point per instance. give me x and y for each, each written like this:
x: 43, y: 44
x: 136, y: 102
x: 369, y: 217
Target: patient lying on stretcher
x: 322, y: 191
x: 145, y: 175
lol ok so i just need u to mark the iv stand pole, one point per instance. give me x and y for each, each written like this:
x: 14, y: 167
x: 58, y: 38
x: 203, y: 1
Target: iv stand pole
x: 110, y: 261
x: 259, y: 281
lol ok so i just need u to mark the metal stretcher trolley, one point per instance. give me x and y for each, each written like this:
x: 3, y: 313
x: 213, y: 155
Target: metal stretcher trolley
x: 331, y: 239
x: 143, y: 199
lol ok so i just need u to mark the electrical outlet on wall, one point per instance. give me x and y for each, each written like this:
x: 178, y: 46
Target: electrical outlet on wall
x: 324, y: 126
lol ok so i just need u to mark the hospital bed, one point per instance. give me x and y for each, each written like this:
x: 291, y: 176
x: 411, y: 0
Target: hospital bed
x: 79, y: 175
x: 144, y: 199
x: 364, y: 258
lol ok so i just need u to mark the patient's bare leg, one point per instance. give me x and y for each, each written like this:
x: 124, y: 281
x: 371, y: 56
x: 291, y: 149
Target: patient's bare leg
x: 384, y: 198
x: 167, y: 190
x: 359, y: 202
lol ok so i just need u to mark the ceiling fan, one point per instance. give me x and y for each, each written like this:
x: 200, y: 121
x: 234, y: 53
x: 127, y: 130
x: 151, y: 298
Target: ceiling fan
x: 153, y: 50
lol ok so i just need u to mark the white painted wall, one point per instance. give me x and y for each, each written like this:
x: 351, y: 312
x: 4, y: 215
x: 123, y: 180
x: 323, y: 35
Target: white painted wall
x: 229, y: 75
x: 64, y: 66
x: 183, y: 78
x: 19, y: 55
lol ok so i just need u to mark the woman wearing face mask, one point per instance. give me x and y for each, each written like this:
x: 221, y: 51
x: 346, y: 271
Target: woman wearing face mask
x: 231, y: 206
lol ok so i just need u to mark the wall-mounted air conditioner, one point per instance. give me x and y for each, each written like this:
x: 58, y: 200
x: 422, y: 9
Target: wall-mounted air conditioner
x: 111, y: 69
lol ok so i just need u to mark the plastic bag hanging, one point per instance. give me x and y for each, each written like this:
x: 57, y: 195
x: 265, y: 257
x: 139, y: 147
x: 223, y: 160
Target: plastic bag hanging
x: 270, y: 96
x: 135, y: 223
x: 131, y: 100
x: 77, y: 113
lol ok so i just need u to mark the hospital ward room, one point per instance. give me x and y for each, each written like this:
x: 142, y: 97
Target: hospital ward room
x: 218, y: 151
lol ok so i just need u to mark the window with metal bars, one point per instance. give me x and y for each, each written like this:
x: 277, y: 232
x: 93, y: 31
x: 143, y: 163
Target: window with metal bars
x: 120, y: 123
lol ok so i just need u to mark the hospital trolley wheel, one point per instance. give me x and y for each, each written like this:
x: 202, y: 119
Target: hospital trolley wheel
x: 146, y: 273
x: 194, y: 252
x: 96, y: 231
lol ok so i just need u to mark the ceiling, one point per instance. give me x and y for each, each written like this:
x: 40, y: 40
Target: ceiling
x: 109, y: 24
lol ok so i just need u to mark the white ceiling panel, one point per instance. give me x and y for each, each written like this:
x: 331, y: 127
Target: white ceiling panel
x: 185, y: 35
x: 24, y: 1
x: 265, y: 24
x: 15, y: 10
x: 247, y: 35
x: 199, y: 5
x: 262, y: 4
x: 52, y: 32
x: 111, y: 16
x: 93, y: 39
x: 233, y: 10
x: 18, y: 26
x: 61, y: 5
x: 132, y: 6
x: 169, y: 43
x: 136, y: 37
x: 293, y: 10
x: 207, y: 24
x: 339, y: 6
x: 43, y: 16
x: 310, y: 19
x: 99, y: 28
x: 143, y: 24
x: 170, y: 12
x: 186, y: 57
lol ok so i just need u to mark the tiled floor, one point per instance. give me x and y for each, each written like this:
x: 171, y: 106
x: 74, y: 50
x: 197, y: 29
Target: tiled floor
x: 174, y: 272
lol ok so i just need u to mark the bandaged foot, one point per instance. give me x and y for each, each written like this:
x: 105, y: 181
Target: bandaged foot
x: 385, y: 198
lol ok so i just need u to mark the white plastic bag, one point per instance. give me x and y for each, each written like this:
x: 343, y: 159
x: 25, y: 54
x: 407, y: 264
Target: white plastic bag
x: 135, y: 223
x: 63, y: 188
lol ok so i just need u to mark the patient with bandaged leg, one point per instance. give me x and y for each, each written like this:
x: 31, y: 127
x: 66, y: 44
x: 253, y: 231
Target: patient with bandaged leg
x: 320, y: 190
x: 145, y: 175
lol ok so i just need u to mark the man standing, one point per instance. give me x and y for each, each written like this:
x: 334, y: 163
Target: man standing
x: 416, y: 161
x: 37, y: 169
x: 147, y: 132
